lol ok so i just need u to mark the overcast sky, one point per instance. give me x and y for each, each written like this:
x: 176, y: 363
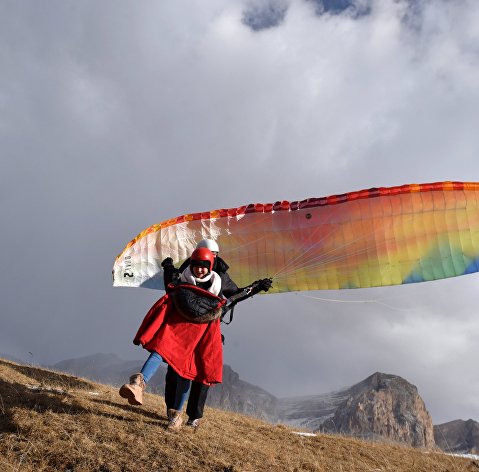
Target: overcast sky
x: 115, y: 115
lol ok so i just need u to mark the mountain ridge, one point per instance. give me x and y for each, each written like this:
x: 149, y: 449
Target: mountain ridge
x: 458, y: 436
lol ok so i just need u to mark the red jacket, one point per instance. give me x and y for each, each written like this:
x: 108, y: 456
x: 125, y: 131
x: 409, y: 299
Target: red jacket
x: 194, y: 350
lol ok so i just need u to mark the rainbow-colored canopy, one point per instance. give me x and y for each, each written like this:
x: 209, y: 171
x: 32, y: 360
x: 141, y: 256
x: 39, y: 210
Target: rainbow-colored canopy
x: 369, y: 238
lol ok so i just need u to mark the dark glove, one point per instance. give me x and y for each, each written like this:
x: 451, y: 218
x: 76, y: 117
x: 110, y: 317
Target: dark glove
x: 261, y: 285
x: 265, y: 284
x: 170, y: 273
x: 168, y: 262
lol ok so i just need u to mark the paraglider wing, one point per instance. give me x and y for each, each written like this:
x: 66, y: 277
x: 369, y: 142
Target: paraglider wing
x: 376, y: 237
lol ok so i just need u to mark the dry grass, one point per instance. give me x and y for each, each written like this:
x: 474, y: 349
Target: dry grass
x: 61, y: 426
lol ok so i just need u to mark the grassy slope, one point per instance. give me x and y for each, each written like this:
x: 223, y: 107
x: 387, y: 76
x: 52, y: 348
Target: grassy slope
x: 63, y: 427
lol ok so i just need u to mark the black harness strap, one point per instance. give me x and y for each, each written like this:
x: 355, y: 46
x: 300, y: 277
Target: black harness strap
x: 232, y: 301
x: 230, y: 309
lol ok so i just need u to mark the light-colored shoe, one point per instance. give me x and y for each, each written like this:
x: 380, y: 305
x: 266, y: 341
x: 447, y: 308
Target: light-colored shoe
x: 175, y: 419
x: 193, y: 423
x: 133, y: 391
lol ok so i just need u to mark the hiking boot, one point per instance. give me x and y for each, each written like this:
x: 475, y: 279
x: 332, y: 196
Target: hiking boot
x: 193, y: 423
x: 133, y: 391
x: 175, y: 419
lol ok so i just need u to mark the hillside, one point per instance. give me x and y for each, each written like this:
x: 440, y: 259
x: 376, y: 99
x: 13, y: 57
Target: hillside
x: 56, y: 422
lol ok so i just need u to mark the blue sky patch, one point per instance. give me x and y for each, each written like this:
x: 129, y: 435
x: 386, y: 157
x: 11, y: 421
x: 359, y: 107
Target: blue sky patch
x: 354, y: 8
x: 272, y: 13
x: 267, y: 15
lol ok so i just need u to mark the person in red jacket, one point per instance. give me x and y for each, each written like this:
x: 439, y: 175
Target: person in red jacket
x: 182, y: 329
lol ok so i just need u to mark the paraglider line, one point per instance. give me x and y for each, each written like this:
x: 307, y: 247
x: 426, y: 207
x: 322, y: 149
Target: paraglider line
x: 336, y: 300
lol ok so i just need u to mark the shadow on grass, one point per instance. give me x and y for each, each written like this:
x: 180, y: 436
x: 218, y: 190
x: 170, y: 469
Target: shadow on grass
x: 131, y: 409
x: 20, y: 396
x: 53, y: 379
x: 15, y: 396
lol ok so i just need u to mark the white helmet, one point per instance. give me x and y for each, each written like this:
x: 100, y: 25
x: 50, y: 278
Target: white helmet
x: 210, y: 244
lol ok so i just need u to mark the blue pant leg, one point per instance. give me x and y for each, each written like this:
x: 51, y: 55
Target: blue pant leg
x: 151, y: 366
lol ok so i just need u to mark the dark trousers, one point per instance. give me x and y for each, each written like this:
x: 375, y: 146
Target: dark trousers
x: 196, y: 400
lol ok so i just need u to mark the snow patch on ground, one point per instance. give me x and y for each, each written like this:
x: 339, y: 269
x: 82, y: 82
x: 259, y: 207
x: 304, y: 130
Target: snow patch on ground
x: 465, y: 456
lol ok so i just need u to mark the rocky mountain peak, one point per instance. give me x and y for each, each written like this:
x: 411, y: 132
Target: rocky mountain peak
x: 383, y: 406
